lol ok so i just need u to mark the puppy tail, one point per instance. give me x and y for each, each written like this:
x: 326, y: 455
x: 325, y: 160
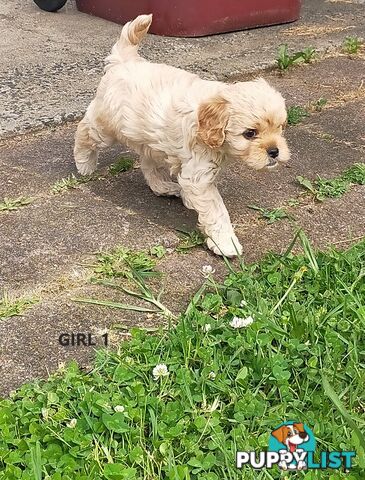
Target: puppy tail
x: 132, y: 34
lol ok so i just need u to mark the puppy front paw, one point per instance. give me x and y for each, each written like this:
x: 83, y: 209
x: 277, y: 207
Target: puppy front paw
x: 229, y: 246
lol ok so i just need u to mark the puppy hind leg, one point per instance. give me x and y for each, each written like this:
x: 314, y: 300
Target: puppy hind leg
x: 85, y: 149
x: 161, y: 184
x: 91, y: 135
x: 157, y: 175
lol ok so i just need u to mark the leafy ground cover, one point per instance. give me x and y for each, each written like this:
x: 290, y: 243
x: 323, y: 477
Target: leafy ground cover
x: 273, y: 342
x: 10, y: 204
x: 296, y: 114
x: 11, y: 307
x: 271, y: 216
x: 285, y: 59
x: 122, y: 164
x: 323, y: 188
x: 189, y: 240
x: 352, y: 45
x: 69, y: 183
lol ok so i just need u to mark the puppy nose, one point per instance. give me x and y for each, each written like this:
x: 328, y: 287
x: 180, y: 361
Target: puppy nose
x: 273, y: 152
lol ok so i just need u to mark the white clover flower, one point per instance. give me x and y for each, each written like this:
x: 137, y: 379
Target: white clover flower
x: 238, y: 322
x: 72, y: 423
x: 119, y: 408
x: 243, y: 303
x: 45, y: 413
x: 61, y: 366
x: 207, y: 270
x: 160, y: 371
x: 207, y: 327
x: 212, y: 375
x: 248, y: 321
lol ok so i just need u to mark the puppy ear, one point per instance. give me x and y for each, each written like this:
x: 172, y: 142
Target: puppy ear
x: 212, y: 121
x: 280, y: 434
x: 299, y: 426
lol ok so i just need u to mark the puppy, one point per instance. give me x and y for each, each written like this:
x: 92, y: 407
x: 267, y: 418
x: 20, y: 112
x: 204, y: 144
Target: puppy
x: 183, y: 128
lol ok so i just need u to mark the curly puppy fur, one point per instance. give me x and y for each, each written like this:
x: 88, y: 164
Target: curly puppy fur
x: 183, y: 128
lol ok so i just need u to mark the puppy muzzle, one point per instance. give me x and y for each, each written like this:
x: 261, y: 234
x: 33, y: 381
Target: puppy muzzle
x: 273, y: 157
x: 272, y: 163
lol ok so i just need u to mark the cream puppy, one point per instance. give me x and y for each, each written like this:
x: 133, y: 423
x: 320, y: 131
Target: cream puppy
x: 183, y: 128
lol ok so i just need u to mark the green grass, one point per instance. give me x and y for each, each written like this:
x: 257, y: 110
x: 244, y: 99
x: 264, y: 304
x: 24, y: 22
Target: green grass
x: 296, y: 114
x: 335, y: 187
x: 70, y: 183
x: 158, y: 251
x: 122, y: 164
x: 355, y: 174
x: 126, y: 271
x: 11, y: 307
x: 189, y: 240
x: 319, y: 104
x: 11, y: 204
x: 302, y: 358
x: 352, y: 45
x: 308, y: 54
x: 271, y: 216
x: 119, y: 262
x: 327, y: 137
x: 293, y: 202
x: 285, y: 60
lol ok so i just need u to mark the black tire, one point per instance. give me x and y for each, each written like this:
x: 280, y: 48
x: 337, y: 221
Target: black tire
x: 50, y: 5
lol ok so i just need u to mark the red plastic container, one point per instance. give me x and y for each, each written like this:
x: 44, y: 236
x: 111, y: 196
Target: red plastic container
x: 193, y: 18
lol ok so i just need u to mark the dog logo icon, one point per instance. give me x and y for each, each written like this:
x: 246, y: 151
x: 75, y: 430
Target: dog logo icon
x: 293, y: 440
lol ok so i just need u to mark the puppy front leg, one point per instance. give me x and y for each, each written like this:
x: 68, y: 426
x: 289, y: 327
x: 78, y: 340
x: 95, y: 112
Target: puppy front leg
x: 213, y: 217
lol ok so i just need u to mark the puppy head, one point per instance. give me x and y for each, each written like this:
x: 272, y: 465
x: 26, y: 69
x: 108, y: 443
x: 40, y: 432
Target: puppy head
x: 246, y: 123
x: 291, y: 435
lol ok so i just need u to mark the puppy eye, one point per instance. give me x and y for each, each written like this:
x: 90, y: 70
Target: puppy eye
x: 290, y: 434
x: 250, y: 133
